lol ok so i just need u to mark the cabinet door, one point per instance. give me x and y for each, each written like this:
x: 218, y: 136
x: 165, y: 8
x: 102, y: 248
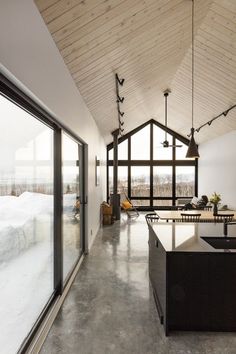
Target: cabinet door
x: 222, y: 291
x: 157, y: 273
x: 152, y: 254
x: 187, y: 293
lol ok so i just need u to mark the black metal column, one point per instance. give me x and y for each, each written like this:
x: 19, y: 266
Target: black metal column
x: 115, y: 197
x: 58, y: 241
x: 115, y: 160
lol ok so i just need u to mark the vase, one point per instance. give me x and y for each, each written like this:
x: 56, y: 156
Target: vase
x: 215, y: 209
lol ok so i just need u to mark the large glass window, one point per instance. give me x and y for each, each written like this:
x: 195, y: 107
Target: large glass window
x: 123, y: 150
x: 34, y: 155
x: 123, y: 179
x: 185, y: 181
x: 162, y: 181
x: 122, y: 184
x: 140, y: 181
x: 110, y: 154
x: 26, y: 222
x: 160, y: 152
x: 140, y: 202
x: 153, y: 178
x: 140, y: 144
x: 110, y: 181
x: 162, y: 202
x: 72, y: 246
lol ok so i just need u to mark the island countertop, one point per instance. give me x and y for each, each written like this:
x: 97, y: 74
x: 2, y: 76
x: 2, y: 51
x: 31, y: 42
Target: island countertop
x: 187, y: 237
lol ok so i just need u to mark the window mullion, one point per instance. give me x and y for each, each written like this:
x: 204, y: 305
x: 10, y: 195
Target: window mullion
x: 157, y: 166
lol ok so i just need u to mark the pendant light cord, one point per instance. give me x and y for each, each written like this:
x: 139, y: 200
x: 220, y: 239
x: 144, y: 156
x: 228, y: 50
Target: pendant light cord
x: 166, y: 95
x: 192, y: 151
x: 192, y: 60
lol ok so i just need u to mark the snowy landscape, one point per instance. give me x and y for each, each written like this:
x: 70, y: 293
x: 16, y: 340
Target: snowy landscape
x: 26, y: 255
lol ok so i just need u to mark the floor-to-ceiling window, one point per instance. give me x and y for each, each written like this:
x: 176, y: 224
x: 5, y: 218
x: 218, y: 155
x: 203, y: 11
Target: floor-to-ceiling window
x: 26, y: 222
x: 42, y: 213
x: 71, y: 176
x: 150, y: 174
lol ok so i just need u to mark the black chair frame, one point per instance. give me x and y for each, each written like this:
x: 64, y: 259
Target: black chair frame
x: 185, y: 217
x: 223, y: 217
x: 151, y: 217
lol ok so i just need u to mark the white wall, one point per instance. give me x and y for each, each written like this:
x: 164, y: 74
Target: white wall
x: 217, y: 168
x: 30, y: 58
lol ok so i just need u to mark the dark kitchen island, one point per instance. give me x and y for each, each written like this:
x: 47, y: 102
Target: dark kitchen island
x: 193, y: 279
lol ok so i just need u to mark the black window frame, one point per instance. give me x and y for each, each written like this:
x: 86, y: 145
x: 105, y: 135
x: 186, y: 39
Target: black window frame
x: 14, y: 94
x: 152, y: 163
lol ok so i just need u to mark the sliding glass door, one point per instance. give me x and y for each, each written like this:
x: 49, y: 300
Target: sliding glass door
x: 26, y: 222
x: 72, y: 206
x: 41, y: 214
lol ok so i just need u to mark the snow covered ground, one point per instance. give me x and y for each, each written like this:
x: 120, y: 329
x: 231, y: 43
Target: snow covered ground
x: 26, y: 260
x: 26, y: 284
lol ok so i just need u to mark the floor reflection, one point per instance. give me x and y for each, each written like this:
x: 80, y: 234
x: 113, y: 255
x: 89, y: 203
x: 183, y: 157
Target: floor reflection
x: 110, y: 308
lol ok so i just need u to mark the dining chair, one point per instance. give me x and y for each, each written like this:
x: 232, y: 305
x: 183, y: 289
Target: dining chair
x: 207, y: 207
x: 223, y: 217
x: 185, y: 217
x: 151, y: 217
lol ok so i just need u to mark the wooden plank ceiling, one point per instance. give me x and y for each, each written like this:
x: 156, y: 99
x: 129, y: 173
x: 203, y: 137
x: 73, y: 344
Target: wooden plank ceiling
x: 148, y: 42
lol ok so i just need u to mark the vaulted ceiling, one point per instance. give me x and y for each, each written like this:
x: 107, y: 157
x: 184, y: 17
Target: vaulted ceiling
x: 148, y: 42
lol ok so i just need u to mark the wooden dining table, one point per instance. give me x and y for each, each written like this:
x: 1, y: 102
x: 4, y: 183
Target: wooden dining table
x: 206, y: 216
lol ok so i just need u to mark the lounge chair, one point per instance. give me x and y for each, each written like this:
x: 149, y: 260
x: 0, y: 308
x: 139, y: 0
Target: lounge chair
x: 127, y: 206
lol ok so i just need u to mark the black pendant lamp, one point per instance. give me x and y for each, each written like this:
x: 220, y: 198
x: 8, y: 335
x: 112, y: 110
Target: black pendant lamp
x: 192, y: 148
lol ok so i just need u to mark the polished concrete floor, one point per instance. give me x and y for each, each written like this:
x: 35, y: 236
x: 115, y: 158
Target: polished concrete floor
x: 110, y: 307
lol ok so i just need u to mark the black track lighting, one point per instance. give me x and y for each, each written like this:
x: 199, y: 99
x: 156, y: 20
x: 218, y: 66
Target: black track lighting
x: 225, y: 113
x: 121, y: 113
x: 120, y: 81
x: 119, y: 100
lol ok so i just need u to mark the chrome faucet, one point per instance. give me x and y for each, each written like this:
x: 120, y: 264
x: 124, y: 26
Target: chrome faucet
x: 226, y: 226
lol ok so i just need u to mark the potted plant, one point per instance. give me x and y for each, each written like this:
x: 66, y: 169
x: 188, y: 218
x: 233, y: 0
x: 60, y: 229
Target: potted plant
x: 215, y: 199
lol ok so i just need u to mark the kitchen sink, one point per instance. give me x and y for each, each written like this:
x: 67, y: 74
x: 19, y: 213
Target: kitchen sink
x: 221, y: 242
